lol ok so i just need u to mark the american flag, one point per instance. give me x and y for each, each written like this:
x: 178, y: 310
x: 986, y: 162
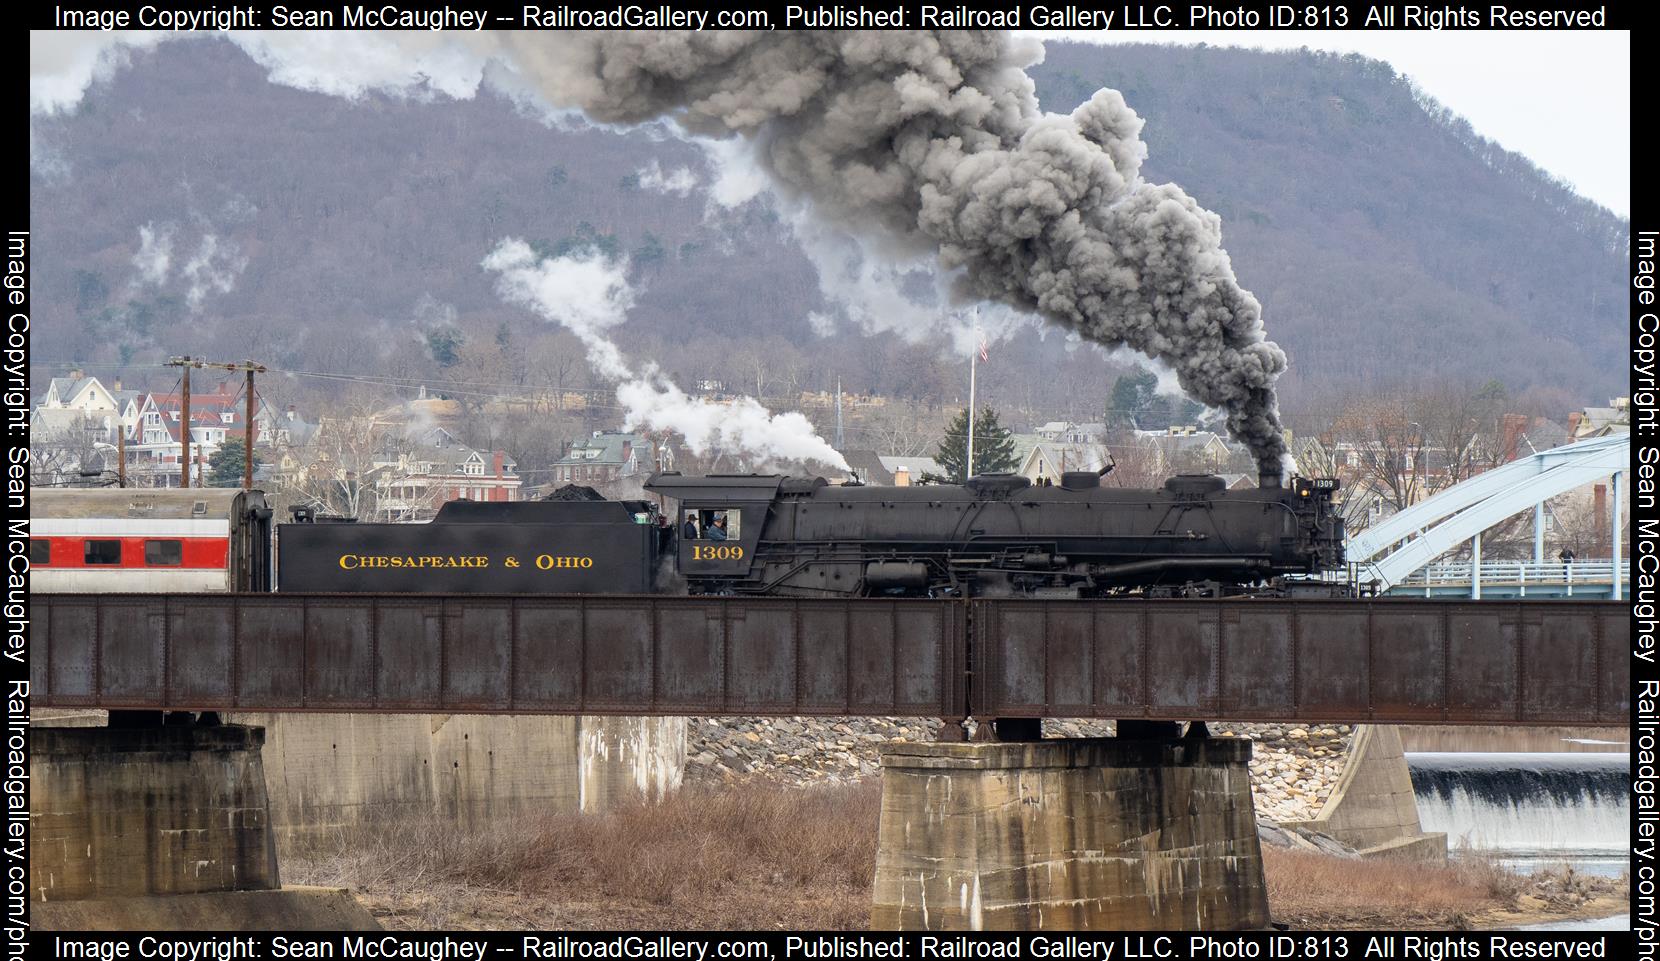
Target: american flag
x: 984, y: 344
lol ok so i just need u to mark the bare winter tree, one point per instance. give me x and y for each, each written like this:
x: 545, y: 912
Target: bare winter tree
x: 1385, y: 446
x: 68, y: 453
x: 336, y: 470
x: 1136, y: 464
x: 1582, y: 528
x: 897, y: 430
x: 1462, y: 428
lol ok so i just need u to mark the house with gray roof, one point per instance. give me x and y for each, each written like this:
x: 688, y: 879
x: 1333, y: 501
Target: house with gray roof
x: 607, y: 455
x: 907, y: 471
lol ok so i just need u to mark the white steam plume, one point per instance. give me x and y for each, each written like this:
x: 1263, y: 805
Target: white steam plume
x: 680, y: 181
x: 588, y: 296
x: 214, y: 268
x: 155, y: 254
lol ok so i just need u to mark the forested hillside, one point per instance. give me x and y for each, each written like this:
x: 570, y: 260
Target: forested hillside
x: 191, y: 206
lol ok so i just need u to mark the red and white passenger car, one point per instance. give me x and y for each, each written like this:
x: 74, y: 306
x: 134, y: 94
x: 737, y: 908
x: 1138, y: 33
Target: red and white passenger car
x: 128, y: 540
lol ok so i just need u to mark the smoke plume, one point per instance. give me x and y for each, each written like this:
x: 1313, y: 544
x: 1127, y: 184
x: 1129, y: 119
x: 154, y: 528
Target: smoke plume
x: 588, y: 295
x: 936, y: 141
x: 924, y: 143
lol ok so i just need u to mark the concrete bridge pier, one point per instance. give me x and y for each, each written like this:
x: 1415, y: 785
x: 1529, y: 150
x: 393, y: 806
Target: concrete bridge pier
x: 1069, y: 834
x: 164, y: 827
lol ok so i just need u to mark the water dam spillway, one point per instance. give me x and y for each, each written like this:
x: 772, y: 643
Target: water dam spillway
x: 1561, y: 806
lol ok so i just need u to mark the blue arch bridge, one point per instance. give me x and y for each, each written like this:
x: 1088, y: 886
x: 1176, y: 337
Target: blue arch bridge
x: 1400, y: 556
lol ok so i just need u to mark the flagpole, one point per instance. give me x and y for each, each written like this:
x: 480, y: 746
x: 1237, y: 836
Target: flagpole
x: 973, y: 359
x: 968, y: 470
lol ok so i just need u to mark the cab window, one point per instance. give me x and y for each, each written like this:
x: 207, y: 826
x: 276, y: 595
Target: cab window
x: 164, y: 553
x: 711, y: 524
x: 40, y: 550
x: 103, y: 552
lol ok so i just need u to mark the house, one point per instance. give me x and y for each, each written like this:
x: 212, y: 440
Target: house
x: 1050, y: 459
x: 867, y: 466
x: 882, y: 470
x: 1601, y: 421
x: 79, y: 423
x: 1311, y: 457
x: 1541, y: 433
x: 908, y: 471
x: 79, y: 392
x: 412, y: 480
x: 606, y: 456
x: 217, y: 416
x: 1186, y: 449
x: 1521, y: 435
x: 1066, y: 432
x: 80, y: 413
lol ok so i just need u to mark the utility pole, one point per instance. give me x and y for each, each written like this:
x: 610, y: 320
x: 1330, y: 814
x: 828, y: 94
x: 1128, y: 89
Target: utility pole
x: 184, y: 416
x: 248, y: 431
x: 120, y: 450
x: 248, y: 367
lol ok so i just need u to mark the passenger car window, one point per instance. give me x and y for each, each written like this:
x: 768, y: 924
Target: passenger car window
x: 103, y: 552
x: 40, y: 550
x: 164, y: 553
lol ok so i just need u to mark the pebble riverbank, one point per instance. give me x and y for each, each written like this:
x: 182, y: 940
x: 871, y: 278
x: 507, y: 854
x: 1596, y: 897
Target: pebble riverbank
x: 1293, y: 768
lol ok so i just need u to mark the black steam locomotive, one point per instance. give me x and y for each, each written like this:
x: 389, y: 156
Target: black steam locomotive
x: 999, y: 534
x: 802, y: 537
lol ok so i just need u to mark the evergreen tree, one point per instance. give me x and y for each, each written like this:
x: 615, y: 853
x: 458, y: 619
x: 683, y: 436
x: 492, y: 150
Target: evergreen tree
x: 993, y: 447
x: 1135, y: 402
x: 443, y: 343
x: 1131, y: 394
x: 225, y: 466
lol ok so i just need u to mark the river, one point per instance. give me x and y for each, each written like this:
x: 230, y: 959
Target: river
x: 1563, y: 799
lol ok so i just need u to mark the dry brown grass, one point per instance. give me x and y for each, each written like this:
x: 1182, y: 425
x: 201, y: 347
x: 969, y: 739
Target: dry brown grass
x: 1312, y: 890
x: 761, y: 856
x: 803, y: 858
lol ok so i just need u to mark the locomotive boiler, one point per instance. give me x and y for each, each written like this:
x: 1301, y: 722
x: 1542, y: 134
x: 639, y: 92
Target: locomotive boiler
x: 1000, y: 534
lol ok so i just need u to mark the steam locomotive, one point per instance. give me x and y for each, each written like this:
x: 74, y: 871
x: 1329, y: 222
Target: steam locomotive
x: 999, y: 534
x: 737, y: 534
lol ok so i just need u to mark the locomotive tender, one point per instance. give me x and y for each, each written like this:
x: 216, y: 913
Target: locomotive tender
x: 744, y: 534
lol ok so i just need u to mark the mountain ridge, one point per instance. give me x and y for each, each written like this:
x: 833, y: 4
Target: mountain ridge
x: 1389, y: 245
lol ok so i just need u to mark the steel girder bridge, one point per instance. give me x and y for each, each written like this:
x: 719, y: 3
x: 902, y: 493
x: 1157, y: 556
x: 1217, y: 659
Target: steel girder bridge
x: 1386, y: 660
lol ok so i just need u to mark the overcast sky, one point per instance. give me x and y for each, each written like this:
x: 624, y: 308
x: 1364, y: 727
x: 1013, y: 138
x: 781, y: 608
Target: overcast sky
x: 1560, y: 98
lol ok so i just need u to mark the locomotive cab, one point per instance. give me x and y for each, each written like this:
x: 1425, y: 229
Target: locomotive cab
x: 718, y: 522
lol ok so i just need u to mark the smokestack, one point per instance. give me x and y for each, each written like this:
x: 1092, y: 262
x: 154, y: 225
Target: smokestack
x: 1268, y: 478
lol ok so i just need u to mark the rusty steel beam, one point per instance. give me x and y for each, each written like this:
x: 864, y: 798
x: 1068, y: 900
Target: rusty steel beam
x: 497, y: 654
x: 1381, y: 661
x: 1391, y: 660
